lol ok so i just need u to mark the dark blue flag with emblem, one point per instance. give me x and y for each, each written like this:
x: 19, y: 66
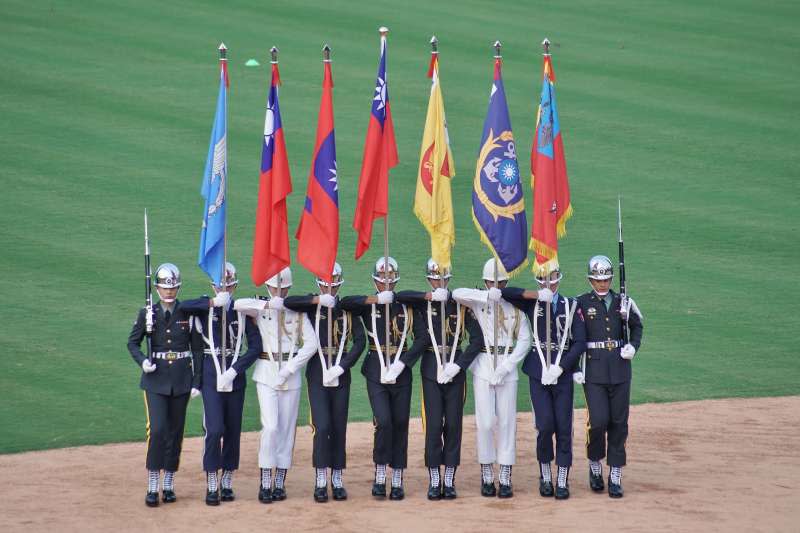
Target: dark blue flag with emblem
x: 498, y: 205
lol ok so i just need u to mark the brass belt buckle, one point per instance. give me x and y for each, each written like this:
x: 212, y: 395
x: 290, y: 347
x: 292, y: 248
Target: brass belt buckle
x: 610, y: 345
x: 171, y: 356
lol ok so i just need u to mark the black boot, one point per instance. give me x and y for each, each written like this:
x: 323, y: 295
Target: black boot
x: 449, y: 493
x: 321, y: 494
x: 340, y: 494
x: 596, y: 481
x: 505, y: 491
x: 434, y: 492
x: 264, y: 495
x: 212, y: 498
x: 434, y: 489
x: 227, y: 495
x: 278, y: 494
x: 151, y: 500
x: 379, y: 490
x: 545, y: 488
x: 168, y: 496
x: 397, y: 493
x: 488, y: 490
x: 614, y: 489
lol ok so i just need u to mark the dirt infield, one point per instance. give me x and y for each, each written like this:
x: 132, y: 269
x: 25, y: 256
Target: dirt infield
x: 720, y: 465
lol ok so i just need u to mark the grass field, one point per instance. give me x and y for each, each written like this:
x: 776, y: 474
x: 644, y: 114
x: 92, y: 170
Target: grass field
x: 689, y: 109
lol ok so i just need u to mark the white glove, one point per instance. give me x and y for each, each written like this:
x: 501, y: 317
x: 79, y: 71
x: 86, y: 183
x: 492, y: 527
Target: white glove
x: 194, y: 393
x: 226, y: 378
x: 395, y: 370
x: 331, y: 374
x: 451, y: 370
x: 578, y: 378
x: 276, y: 303
x: 283, y: 374
x: 326, y: 300
x: 495, y: 294
x: 544, y: 295
x: 385, y: 297
x: 148, y: 366
x: 551, y: 375
x: 222, y: 299
x: 499, y: 374
x: 627, y: 351
x: 440, y: 295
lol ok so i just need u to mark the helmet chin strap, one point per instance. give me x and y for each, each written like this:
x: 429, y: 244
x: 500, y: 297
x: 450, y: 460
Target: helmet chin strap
x: 168, y: 300
x: 601, y: 294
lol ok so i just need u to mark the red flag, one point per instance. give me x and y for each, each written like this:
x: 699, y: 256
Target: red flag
x: 380, y: 155
x: 271, y: 241
x: 551, y: 201
x: 318, y: 232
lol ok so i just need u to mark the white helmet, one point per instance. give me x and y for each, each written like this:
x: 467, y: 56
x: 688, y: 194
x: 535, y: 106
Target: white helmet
x: 168, y: 276
x: 336, y: 277
x: 434, y: 271
x: 488, y: 271
x: 600, y: 268
x: 230, y: 276
x: 380, y: 276
x: 285, y: 277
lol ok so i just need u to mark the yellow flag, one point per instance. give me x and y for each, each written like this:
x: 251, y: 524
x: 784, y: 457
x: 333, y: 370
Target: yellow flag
x: 433, y: 203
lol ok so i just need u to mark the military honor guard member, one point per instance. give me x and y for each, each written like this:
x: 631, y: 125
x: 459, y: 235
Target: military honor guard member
x: 340, y: 340
x: 168, y: 378
x: 288, y: 342
x: 550, y: 369
x: 607, y: 372
x: 443, y: 370
x: 223, y: 382
x: 386, y: 368
x: 495, y: 376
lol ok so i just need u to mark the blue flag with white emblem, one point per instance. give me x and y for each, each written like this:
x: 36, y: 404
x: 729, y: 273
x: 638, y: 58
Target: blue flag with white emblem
x: 211, y: 257
x: 498, y: 204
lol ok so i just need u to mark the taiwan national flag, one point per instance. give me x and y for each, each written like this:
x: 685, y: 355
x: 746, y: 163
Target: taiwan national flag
x: 498, y: 205
x: 318, y: 232
x: 271, y: 241
x: 380, y: 155
x: 551, y: 201
x: 211, y: 255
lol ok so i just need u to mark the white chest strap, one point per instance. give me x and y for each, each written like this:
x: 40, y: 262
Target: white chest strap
x: 374, y: 335
x: 209, y: 341
x: 444, y: 343
x: 342, y: 340
x: 564, y: 334
x: 292, y: 340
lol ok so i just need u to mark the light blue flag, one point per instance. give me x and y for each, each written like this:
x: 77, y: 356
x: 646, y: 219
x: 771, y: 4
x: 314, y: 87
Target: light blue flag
x: 211, y: 257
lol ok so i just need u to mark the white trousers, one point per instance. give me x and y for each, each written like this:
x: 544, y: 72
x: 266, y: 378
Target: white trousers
x: 496, y: 417
x: 278, y: 425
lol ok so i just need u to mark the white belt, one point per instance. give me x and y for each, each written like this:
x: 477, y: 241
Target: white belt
x: 608, y: 345
x: 171, y: 356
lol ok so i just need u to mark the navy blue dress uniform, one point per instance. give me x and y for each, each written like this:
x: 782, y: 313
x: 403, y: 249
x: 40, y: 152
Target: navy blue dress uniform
x: 443, y: 397
x: 222, y: 410
x: 329, y: 404
x: 552, y: 404
x: 166, y: 388
x: 390, y: 402
x: 607, y: 384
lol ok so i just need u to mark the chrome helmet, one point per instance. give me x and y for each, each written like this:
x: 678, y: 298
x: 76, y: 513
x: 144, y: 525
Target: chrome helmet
x: 230, y: 276
x: 168, y: 276
x: 434, y: 271
x: 284, y: 278
x: 600, y: 268
x: 379, y: 275
x: 336, y: 277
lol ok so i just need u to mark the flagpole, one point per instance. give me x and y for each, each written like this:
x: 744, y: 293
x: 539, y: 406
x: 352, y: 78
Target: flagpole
x: 497, y: 56
x: 383, y: 30
x: 443, y: 314
x: 223, y: 59
x: 546, y: 47
x: 326, y: 58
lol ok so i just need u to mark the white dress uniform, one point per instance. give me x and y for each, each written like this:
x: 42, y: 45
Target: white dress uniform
x: 496, y: 405
x: 279, y: 402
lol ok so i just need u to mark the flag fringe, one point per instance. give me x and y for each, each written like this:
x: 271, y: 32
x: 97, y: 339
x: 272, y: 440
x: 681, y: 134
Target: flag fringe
x: 561, y: 225
x: 488, y: 243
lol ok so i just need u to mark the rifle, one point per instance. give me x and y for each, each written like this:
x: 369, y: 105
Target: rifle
x: 148, y: 292
x: 622, y: 290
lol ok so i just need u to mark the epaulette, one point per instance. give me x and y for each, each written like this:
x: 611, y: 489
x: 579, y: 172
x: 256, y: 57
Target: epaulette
x: 259, y: 297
